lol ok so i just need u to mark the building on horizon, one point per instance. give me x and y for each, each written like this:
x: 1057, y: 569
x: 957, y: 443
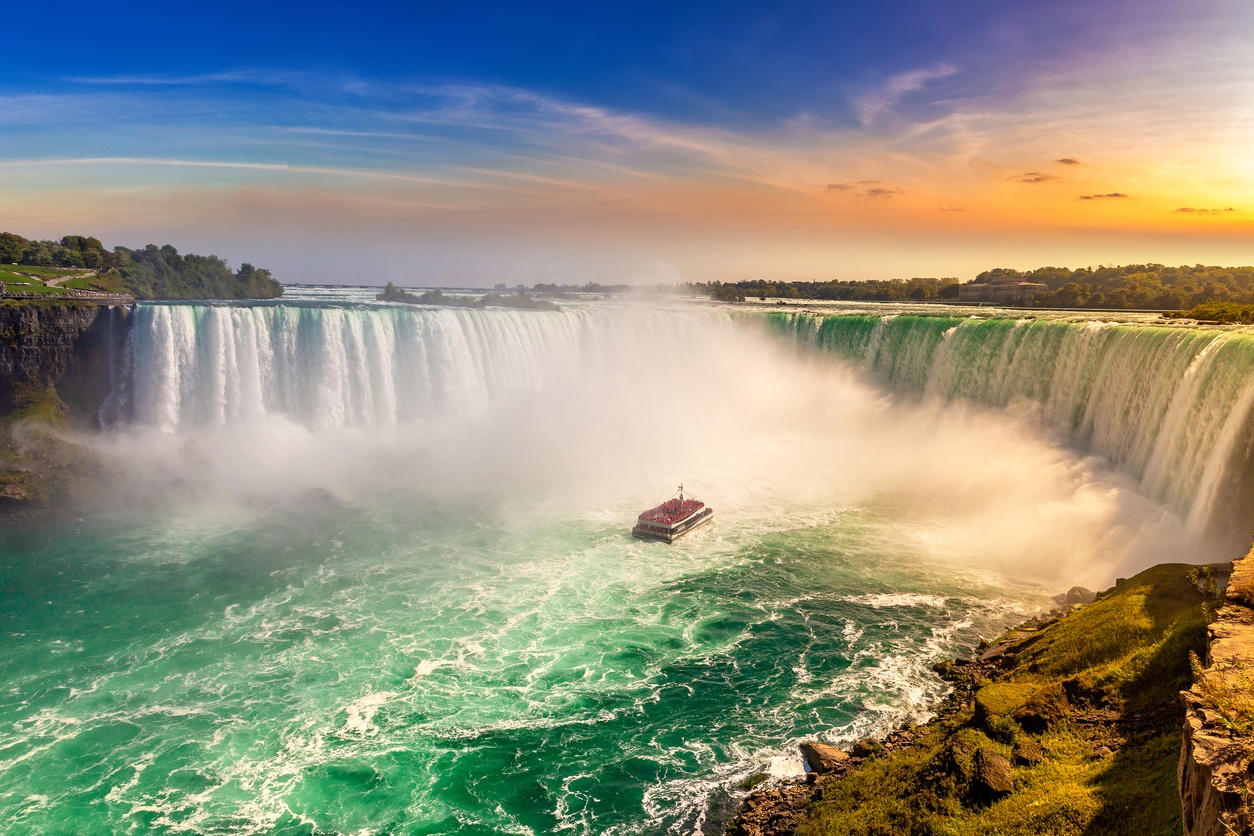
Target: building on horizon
x: 1002, y: 290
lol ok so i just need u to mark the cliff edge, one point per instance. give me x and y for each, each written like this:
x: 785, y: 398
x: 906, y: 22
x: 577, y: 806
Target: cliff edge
x: 1217, y: 758
x: 69, y: 344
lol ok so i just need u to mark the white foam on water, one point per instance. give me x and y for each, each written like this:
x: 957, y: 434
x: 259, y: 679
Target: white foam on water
x: 898, y: 599
x: 361, y: 713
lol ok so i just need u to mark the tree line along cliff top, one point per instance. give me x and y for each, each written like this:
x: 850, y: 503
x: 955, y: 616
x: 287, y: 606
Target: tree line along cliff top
x: 82, y: 263
x: 1136, y: 286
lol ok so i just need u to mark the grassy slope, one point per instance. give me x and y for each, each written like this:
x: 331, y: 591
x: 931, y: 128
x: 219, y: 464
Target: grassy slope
x: 27, y: 279
x: 1127, y: 652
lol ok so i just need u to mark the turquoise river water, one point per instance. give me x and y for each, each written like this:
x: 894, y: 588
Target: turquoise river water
x: 366, y: 569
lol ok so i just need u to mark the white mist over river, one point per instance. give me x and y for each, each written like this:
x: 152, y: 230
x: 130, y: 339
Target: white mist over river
x: 367, y: 567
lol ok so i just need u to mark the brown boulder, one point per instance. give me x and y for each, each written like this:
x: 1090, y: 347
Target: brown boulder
x: 867, y: 747
x: 1027, y: 752
x: 1044, y: 708
x: 821, y: 757
x: 992, y: 773
x: 1075, y: 596
x: 14, y: 492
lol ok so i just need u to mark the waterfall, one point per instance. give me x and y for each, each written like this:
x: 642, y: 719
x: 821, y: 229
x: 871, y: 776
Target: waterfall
x: 356, y: 366
x: 1169, y: 404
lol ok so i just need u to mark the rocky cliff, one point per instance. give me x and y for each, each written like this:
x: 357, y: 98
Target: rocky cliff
x: 1217, y: 758
x: 71, y: 345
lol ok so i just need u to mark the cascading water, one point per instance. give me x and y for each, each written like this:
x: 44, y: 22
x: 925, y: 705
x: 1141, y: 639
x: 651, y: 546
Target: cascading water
x: 1172, y: 405
x: 368, y: 569
x: 367, y: 367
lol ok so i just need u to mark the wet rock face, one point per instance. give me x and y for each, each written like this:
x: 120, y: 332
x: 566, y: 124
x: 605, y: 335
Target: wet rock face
x: 69, y: 346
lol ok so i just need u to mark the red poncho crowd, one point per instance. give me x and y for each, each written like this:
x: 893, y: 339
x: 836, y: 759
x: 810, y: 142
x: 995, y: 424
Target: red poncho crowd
x: 672, y: 511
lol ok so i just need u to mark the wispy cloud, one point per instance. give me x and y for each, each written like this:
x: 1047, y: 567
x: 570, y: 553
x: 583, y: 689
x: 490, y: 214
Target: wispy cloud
x: 1035, y: 177
x: 874, y: 104
x: 321, y: 171
x: 866, y: 188
x: 1189, y: 210
x: 1106, y: 196
x: 1068, y: 161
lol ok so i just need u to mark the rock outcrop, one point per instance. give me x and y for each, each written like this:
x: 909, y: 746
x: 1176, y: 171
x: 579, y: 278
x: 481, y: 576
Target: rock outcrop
x: 1217, y: 758
x: 992, y: 774
x: 72, y: 345
x: 823, y: 758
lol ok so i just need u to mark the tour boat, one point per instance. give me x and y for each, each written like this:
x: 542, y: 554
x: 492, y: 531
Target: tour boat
x: 672, y: 519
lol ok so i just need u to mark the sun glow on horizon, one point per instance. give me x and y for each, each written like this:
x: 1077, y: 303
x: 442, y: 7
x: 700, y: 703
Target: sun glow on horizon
x: 1125, y: 149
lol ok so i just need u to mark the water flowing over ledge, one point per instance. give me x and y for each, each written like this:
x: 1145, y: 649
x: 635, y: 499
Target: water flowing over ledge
x: 334, y: 366
x: 1172, y: 405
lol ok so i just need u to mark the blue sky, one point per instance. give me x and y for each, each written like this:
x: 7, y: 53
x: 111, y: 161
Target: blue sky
x: 461, y: 143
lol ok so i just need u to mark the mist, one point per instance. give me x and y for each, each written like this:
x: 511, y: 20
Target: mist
x: 600, y: 414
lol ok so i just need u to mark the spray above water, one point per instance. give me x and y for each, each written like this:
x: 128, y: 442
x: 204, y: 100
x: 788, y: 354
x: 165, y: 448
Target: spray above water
x: 592, y: 408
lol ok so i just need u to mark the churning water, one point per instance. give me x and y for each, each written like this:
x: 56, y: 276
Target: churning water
x: 365, y: 569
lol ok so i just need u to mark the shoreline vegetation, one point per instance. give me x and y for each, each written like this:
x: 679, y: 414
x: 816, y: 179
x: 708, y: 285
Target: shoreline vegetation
x: 519, y: 300
x: 1067, y: 724
x: 1131, y: 286
x: 79, y: 266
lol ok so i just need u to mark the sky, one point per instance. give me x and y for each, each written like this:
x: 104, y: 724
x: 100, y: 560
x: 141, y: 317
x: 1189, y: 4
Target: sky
x: 465, y: 144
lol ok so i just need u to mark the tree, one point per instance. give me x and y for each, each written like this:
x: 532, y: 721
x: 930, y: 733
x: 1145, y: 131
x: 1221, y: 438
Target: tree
x: 11, y: 248
x: 37, y: 254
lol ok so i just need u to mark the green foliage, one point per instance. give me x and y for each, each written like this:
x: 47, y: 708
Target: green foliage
x: 1225, y: 312
x: 11, y: 248
x: 162, y: 273
x: 891, y: 290
x: 521, y: 299
x: 149, y: 273
x: 1153, y: 286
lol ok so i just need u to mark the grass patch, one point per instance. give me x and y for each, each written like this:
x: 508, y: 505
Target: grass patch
x: 39, y: 405
x: 43, y: 272
x: 9, y: 277
x: 1002, y: 698
x: 1130, y: 648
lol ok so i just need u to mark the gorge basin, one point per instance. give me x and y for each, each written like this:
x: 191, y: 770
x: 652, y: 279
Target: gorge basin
x: 365, y: 568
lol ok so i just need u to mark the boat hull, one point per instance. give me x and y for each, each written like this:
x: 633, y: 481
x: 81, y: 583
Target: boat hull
x: 644, y: 530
